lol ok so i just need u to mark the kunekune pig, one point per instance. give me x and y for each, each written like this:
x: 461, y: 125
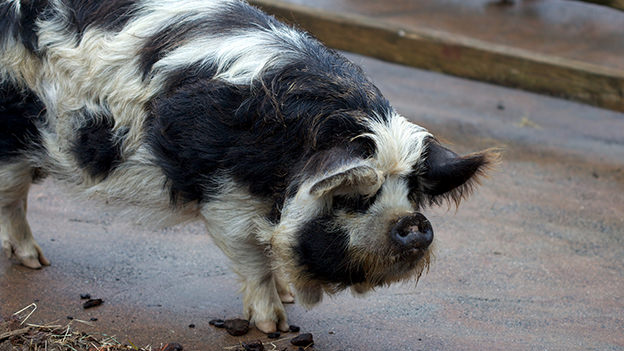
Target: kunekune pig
x: 303, y: 173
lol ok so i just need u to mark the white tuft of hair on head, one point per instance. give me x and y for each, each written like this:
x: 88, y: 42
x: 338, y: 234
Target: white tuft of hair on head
x: 400, y: 144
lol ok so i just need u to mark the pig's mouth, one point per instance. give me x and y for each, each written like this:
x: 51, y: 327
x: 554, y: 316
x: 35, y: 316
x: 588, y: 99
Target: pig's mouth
x: 408, y: 257
x: 406, y: 265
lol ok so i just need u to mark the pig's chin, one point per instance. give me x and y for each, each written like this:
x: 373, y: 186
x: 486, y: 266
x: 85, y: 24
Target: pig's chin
x: 406, y: 266
x: 379, y: 270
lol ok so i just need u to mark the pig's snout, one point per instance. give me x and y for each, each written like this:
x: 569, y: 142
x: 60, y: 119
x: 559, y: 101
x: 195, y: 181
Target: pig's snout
x: 412, y: 232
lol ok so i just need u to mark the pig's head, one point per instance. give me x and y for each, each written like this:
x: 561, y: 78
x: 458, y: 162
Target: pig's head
x: 352, y: 218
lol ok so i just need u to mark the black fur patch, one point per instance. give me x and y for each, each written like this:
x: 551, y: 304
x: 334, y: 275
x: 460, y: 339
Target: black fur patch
x: 264, y: 135
x: 322, y: 250
x: 97, y: 148
x: 191, y: 134
x: 21, y: 112
x: 106, y: 14
x: 8, y: 21
x: 446, y: 170
x: 158, y: 45
x: 239, y: 15
x: 446, y: 175
x: 235, y: 16
x: 109, y: 15
x: 30, y: 12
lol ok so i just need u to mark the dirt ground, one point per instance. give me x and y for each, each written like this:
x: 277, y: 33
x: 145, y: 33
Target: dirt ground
x: 533, y: 261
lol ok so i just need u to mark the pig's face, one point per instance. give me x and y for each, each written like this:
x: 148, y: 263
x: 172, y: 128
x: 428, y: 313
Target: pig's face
x: 354, y: 218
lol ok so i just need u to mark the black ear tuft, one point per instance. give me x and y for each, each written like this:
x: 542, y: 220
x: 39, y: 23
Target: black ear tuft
x: 448, y: 176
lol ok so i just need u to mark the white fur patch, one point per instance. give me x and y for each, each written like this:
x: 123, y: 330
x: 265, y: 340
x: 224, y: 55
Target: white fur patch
x: 240, y: 58
x: 400, y: 144
x: 367, y: 231
x: 235, y: 220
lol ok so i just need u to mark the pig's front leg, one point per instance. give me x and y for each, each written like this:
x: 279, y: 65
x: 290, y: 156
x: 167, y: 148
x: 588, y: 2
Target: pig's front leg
x: 262, y: 304
x: 234, y: 227
x: 15, y: 236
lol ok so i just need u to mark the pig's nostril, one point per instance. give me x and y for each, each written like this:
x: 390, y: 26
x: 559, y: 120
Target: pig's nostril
x: 414, y: 229
x: 412, y: 232
x: 407, y: 231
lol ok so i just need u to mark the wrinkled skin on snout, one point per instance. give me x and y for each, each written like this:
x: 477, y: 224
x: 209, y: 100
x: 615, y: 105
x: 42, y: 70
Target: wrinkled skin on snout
x: 356, y: 223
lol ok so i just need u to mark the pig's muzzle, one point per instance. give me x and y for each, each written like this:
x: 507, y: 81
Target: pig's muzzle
x: 411, y: 233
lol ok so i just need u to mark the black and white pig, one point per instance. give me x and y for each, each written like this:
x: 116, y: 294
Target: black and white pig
x: 303, y: 173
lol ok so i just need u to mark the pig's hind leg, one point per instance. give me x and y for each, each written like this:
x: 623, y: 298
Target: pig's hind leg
x: 20, y: 140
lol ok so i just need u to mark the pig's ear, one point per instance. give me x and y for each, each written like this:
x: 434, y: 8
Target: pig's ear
x: 358, y: 178
x: 449, y: 176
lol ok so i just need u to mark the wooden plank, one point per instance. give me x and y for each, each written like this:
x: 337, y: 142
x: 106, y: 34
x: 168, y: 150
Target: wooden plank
x: 456, y: 55
x: 616, y: 4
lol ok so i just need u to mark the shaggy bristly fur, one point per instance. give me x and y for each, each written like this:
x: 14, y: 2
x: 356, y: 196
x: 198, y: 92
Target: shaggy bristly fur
x: 204, y: 109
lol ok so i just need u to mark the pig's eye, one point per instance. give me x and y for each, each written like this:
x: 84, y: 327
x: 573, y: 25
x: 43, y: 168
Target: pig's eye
x: 355, y: 202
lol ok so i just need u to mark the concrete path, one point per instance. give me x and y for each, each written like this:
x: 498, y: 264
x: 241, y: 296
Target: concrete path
x: 533, y: 261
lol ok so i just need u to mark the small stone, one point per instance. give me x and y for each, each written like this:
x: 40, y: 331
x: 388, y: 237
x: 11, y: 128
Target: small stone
x: 294, y: 328
x: 274, y: 335
x: 218, y: 323
x: 85, y: 296
x: 174, y: 346
x: 253, y: 346
x: 92, y: 303
x: 302, y: 340
x: 237, y: 327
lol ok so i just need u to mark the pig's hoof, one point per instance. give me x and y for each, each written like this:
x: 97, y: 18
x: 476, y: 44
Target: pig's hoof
x: 28, y: 254
x: 271, y: 327
x: 32, y: 257
x: 283, y: 290
x: 287, y: 297
x: 267, y: 326
x: 35, y: 262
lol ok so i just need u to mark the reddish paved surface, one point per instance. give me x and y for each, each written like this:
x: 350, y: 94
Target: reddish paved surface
x: 533, y: 261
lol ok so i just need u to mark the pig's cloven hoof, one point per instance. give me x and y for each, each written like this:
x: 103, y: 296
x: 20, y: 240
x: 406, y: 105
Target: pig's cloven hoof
x: 283, y: 289
x: 28, y: 254
x: 271, y: 327
x: 287, y: 297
